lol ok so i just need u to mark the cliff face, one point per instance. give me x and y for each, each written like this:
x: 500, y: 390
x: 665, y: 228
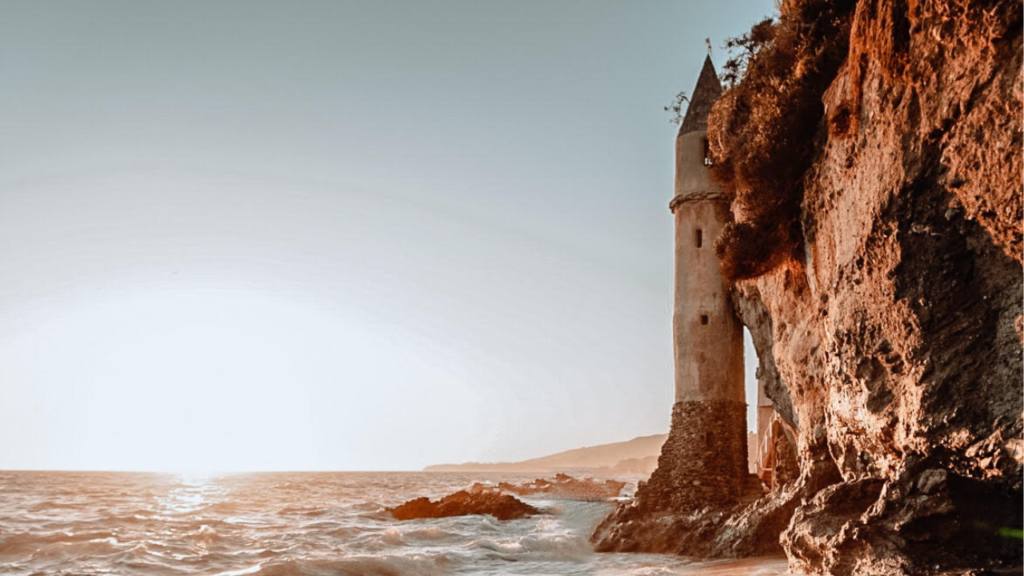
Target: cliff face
x: 891, y: 342
x: 898, y: 335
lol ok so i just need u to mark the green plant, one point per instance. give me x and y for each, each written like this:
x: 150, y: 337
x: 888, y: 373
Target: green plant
x: 676, y: 108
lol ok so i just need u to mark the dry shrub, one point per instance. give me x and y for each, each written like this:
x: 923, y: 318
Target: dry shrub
x: 763, y: 130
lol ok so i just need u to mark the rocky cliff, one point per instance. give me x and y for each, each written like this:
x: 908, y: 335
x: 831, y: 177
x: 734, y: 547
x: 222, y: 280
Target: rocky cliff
x: 888, y: 318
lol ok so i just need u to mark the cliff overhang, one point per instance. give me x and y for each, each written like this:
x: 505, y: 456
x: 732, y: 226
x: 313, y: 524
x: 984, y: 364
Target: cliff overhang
x: 883, y: 290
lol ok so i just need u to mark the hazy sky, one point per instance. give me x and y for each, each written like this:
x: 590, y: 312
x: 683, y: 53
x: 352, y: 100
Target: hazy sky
x: 338, y: 235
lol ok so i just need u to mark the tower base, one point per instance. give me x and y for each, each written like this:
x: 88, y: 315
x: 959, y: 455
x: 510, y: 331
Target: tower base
x: 704, y: 460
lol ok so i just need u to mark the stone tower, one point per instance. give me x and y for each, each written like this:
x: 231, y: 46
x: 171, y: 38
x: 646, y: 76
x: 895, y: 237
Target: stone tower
x: 706, y: 453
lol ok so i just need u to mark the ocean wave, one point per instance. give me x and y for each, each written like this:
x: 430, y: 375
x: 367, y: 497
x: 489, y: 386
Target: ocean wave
x: 206, y: 534
x: 413, y: 565
x: 345, y: 532
x: 432, y: 533
x: 289, y: 524
x: 64, y: 550
x: 27, y: 543
x: 240, y: 571
x: 557, y: 548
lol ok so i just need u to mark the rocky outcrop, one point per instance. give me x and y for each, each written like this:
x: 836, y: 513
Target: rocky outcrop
x: 891, y: 343
x: 561, y: 486
x: 895, y: 335
x: 463, y: 503
x: 733, y: 531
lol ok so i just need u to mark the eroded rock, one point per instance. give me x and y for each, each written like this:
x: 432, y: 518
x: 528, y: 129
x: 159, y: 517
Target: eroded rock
x: 463, y: 503
x: 562, y: 486
x: 893, y: 341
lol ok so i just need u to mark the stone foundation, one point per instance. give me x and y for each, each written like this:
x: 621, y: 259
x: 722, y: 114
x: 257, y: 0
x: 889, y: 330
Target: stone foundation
x: 703, y: 462
x: 702, y: 501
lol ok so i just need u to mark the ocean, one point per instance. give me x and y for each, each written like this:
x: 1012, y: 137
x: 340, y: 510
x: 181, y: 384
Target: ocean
x: 298, y: 523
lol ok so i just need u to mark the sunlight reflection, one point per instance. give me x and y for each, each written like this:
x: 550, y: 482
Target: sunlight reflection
x: 190, y: 493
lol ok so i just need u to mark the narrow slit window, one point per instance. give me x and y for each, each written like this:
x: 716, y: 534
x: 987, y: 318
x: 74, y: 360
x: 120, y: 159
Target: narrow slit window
x: 704, y: 319
x: 700, y: 238
x: 707, y: 153
x: 707, y: 438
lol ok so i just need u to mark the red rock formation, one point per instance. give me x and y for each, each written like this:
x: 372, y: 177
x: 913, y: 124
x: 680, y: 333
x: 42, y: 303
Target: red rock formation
x: 463, y: 503
x: 567, y: 487
x: 891, y: 341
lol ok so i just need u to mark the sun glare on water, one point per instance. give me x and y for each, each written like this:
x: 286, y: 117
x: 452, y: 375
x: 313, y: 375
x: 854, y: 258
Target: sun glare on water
x: 191, y: 492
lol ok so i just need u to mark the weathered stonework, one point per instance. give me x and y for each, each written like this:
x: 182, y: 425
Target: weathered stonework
x: 704, y: 460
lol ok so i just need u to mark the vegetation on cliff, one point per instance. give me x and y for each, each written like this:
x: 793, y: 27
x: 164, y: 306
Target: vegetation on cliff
x: 762, y: 130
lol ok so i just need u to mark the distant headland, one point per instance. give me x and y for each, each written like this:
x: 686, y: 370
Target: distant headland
x: 636, y: 456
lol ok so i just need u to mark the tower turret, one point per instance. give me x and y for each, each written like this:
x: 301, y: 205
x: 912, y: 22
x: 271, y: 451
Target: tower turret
x: 706, y: 453
x: 708, y: 337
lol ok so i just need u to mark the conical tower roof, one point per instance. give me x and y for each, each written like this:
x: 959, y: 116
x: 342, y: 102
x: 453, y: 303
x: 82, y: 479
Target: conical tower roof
x: 703, y: 97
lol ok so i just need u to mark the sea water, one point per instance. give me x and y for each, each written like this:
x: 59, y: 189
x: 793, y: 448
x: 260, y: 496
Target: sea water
x: 84, y: 523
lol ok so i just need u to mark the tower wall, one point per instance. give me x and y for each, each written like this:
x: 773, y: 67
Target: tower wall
x: 707, y: 336
x: 705, y: 456
x: 704, y: 460
x: 692, y: 175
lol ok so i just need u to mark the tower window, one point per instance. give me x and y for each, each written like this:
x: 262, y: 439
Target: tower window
x: 704, y: 319
x: 707, y: 153
x: 700, y: 238
x: 707, y: 438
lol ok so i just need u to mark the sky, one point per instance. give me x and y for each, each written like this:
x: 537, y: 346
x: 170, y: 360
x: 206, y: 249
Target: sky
x: 338, y: 235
